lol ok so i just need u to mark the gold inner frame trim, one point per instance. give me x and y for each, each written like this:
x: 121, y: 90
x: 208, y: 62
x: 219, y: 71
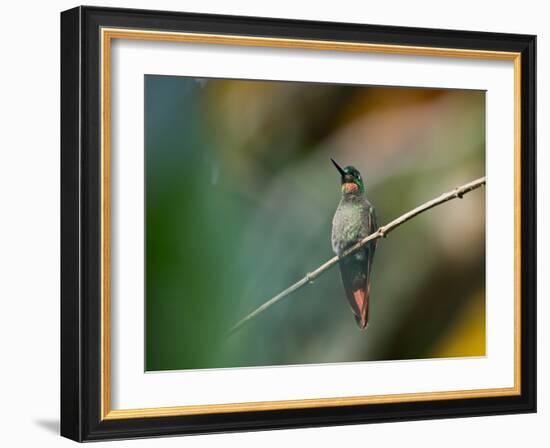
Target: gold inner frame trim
x: 107, y: 35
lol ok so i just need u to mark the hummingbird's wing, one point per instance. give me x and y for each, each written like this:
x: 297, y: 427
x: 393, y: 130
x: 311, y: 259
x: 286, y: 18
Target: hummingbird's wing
x: 355, y: 271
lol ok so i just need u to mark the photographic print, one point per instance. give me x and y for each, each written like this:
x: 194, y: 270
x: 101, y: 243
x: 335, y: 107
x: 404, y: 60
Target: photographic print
x: 270, y: 223
x: 251, y: 185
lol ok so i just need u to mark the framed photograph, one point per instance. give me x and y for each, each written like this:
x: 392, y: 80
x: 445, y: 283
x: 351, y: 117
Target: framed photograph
x: 274, y: 224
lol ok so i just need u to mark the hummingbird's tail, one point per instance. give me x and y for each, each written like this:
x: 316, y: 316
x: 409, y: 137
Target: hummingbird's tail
x: 361, y: 297
x: 356, y: 279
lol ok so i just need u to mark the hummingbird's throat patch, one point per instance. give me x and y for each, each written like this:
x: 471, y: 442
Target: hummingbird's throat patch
x: 350, y: 187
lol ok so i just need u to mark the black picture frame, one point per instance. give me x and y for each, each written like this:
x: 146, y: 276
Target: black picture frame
x: 81, y: 225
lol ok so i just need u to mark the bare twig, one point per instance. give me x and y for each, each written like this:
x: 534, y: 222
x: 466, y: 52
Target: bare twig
x: 382, y: 232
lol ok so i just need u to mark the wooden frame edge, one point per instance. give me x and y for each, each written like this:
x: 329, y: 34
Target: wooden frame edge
x: 106, y: 37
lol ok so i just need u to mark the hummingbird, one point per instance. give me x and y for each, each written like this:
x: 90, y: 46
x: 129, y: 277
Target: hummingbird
x: 354, y: 219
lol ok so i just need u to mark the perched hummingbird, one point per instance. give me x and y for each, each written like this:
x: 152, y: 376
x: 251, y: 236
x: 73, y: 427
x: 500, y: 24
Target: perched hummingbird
x: 354, y: 219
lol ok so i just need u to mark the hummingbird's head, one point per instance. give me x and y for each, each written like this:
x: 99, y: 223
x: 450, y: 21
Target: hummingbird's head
x: 351, y: 179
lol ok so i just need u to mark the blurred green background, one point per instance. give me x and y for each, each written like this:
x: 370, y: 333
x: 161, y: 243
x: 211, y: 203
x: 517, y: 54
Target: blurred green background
x: 240, y: 194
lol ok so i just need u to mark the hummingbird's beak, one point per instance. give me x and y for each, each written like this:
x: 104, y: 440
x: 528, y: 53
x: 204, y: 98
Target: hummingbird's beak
x: 338, y: 167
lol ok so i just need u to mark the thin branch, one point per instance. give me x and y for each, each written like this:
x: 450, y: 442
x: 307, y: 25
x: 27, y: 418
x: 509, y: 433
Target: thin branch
x: 382, y: 232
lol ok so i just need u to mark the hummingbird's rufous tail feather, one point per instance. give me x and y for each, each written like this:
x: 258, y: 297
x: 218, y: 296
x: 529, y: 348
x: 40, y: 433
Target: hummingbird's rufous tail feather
x: 361, y: 297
